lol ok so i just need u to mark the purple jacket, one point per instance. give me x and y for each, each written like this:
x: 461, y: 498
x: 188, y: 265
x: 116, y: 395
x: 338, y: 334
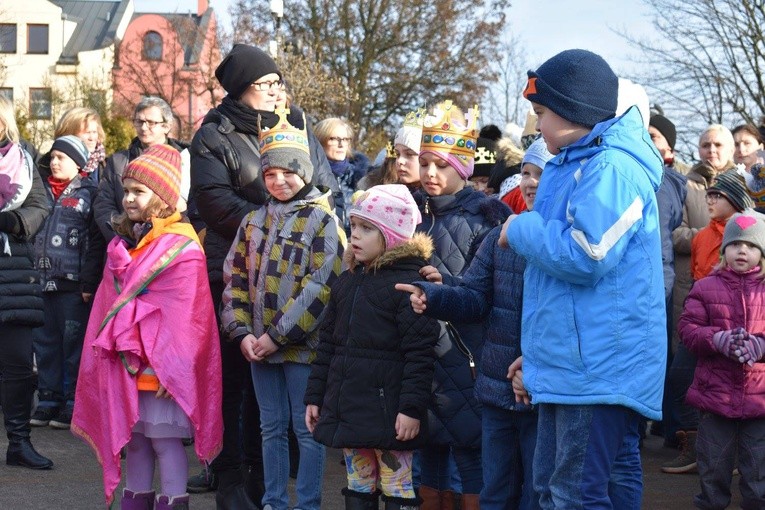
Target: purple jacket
x: 724, y: 300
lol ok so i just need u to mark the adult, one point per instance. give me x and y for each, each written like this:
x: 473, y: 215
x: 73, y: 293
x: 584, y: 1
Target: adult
x: 716, y: 156
x: 153, y: 121
x: 748, y: 151
x: 227, y: 184
x: 336, y: 137
x: 23, y: 209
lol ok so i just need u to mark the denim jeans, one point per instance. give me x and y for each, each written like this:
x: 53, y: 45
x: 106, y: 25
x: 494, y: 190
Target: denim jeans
x: 280, y: 389
x: 58, y: 346
x: 436, y: 470
x: 509, y: 439
x: 587, y: 457
x: 681, y: 416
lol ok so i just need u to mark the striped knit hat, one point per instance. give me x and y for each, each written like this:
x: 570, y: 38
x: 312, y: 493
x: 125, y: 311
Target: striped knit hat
x: 159, y: 169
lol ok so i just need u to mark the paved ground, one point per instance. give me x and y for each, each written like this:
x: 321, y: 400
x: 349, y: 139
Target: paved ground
x: 75, y: 482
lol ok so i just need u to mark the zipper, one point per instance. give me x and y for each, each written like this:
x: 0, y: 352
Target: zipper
x: 462, y: 347
x: 429, y: 213
x: 382, y: 404
x: 345, y: 354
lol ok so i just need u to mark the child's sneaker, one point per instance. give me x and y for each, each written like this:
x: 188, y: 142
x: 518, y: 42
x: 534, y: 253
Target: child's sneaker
x: 43, y: 415
x: 64, y: 418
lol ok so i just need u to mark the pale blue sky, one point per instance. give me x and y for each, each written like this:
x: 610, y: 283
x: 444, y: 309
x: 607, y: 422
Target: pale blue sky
x: 546, y: 27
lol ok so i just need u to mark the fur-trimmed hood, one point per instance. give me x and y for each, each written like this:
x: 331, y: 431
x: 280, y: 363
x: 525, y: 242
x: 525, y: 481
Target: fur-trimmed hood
x: 508, y: 152
x: 419, y: 246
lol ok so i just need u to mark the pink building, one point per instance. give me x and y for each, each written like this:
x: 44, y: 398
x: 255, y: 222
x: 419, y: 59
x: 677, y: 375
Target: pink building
x: 172, y: 56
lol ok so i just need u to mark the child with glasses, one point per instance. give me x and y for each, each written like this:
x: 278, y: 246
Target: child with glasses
x: 727, y: 196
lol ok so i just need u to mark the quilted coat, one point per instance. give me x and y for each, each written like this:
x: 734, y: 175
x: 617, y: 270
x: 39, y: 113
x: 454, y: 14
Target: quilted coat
x: 724, y: 300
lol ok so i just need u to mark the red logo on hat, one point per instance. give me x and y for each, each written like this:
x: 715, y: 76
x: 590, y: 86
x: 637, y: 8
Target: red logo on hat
x: 531, y: 87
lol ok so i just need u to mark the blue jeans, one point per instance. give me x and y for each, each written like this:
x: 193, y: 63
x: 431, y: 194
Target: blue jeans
x: 58, y: 346
x: 587, y: 457
x: 508, y: 442
x: 280, y: 389
x: 681, y: 415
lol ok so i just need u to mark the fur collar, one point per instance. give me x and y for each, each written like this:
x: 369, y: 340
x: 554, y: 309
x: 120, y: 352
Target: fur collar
x: 420, y: 246
x: 509, y: 152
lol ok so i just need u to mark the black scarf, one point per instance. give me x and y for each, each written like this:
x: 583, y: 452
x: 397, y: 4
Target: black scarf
x: 245, y: 119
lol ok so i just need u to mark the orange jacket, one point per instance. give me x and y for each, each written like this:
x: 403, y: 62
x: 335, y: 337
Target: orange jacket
x: 705, y: 248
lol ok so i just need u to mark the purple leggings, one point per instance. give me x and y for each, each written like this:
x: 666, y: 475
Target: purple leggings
x: 173, y: 464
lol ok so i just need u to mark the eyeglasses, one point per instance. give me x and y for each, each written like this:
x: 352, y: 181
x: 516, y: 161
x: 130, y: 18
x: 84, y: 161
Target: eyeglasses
x: 337, y: 140
x: 263, y: 86
x: 151, y: 124
x: 713, y: 196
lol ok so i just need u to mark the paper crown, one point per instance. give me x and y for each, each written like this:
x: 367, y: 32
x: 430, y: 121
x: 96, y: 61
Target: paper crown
x: 390, y: 152
x: 415, y: 118
x: 440, y: 133
x: 484, y: 156
x: 283, y: 135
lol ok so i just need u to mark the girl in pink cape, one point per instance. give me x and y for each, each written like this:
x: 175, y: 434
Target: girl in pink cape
x: 150, y: 369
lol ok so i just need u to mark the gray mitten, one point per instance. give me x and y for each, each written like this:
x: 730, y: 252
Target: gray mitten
x: 725, y: 344
x: 752, y: 350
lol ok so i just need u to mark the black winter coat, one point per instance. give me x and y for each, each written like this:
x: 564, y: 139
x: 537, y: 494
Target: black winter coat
x: 458, y: 224
x: 21, y: 301
x: 375, y: 356
x: 227, y: 184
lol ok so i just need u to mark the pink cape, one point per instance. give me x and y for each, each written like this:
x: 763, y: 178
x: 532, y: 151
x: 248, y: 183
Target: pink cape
x: 156, y: 308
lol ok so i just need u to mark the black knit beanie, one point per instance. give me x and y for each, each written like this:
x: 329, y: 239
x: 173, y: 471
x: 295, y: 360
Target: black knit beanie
x: 577, y: 85
x: 665, y: 127
x: 733, y: 187
x: 242, y: 66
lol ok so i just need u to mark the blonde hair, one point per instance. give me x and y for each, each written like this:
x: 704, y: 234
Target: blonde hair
x: 8, y: 128
x: 123, y: 225
x: 727, y: 137
x: 76, y: 120
x: 724, y: 263
x: 323, y: 131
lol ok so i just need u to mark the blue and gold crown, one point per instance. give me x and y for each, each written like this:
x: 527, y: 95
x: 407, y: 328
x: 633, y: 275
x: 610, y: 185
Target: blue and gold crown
x: 441, y: 133
x: 283, y: 135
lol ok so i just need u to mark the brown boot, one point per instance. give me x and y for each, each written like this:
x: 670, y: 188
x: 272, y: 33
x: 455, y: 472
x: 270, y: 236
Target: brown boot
x: 431, y: 498
x: 470, y: 502
x: 686, y: 461
x: 447, y: 500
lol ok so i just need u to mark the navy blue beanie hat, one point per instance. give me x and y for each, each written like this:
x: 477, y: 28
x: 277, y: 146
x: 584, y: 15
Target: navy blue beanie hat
x: 577, y: 85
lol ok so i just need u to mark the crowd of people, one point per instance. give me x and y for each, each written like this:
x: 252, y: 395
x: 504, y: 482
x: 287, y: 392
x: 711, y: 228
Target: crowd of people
x: 475, y: 322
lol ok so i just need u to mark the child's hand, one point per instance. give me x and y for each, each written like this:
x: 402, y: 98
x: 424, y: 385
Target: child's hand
x: 416, y: 296
x: 752, y: 350
x: 86, y: 297
x: 248, y: 348
x: 163, y: 393
x: 503, y: 233
x: 311, y: 417
x: 264, y: 347
x: 431, y: 274
x: 407, y: 427
x: 515, y: 374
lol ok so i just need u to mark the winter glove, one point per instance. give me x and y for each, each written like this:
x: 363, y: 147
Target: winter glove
x: 751, y: 350
x: 725, y: 342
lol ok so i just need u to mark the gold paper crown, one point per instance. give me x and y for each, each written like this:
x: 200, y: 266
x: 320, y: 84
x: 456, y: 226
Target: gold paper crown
x: 484, y: 156
x: 390, y: 152
x: 283, y: 135
x: 415, y: 118
x: 440, y: 133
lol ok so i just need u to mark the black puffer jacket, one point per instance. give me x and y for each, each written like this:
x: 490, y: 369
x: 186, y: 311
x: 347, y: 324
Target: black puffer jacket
x: 109, y: 200
x: 375, y: 357
x: 20, y: 291
x: 227, y: 184
x: 458, y: 224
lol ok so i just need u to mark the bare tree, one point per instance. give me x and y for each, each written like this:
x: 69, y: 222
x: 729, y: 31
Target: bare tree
x: 504, y: 102
x: 708, y: 65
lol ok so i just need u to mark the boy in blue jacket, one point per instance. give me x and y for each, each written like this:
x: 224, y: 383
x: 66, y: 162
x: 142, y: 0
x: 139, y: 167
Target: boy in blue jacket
x: 593, y: 336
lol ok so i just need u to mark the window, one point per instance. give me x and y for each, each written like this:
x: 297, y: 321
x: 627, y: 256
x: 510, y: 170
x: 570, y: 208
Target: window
x: 37, y: 39
x: 7, y: 38
x: 7, y: 93
x: 152, y: 46
x: 40, y: 103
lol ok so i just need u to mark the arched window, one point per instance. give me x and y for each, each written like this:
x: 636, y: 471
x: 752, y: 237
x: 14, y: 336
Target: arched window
x: 152, y: 46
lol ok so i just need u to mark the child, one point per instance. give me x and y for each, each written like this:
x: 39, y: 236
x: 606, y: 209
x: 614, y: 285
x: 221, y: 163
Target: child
x: 458, y: 218
x: 151, y: 370
x: 492, y: 288
x: 593, y: 341
x: 370, y: 383
x: 726, y: 196
x: 407, y: 147
x: 62, y: 249
x: 277, y: 275
x: 723, y: 324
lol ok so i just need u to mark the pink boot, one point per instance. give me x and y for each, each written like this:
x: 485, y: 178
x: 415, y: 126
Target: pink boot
x: 172, y: 502
x: 137, y: 500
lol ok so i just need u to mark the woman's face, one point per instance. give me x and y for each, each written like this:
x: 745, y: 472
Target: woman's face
x: 715, y: 150
x: 338, y: 143
x: 150, y: 127
x: 89, y: 134
x: 746, y: 147
x: 268, y: 98
x: 438, y: 177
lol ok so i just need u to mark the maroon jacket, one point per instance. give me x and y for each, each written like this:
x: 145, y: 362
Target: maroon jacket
x: 724, y: 300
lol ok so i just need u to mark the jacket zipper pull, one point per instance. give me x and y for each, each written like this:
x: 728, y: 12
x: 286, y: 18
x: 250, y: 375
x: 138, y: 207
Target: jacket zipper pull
x: 471, y: 363
x: 382, y: 398
x: 427, y: 206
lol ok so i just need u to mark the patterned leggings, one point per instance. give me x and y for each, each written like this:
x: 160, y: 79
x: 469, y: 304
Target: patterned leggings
x: 392, y: 468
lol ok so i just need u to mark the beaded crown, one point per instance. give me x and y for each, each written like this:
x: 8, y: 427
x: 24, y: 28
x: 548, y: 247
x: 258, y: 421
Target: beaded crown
x: 283, y: 135
x: 440, y: 133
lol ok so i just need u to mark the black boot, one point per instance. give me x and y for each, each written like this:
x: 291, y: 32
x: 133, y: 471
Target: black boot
x: 392, y: 503
x: 254, y: 485
x: 17, y: 408
x: 360, y: 500
x: 231, y: 493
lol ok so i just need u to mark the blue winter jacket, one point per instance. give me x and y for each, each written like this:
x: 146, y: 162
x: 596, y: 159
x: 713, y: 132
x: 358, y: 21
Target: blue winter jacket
x: 594, y: 325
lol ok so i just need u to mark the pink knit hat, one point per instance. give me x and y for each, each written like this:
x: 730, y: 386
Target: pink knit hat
x: 391, y: 208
